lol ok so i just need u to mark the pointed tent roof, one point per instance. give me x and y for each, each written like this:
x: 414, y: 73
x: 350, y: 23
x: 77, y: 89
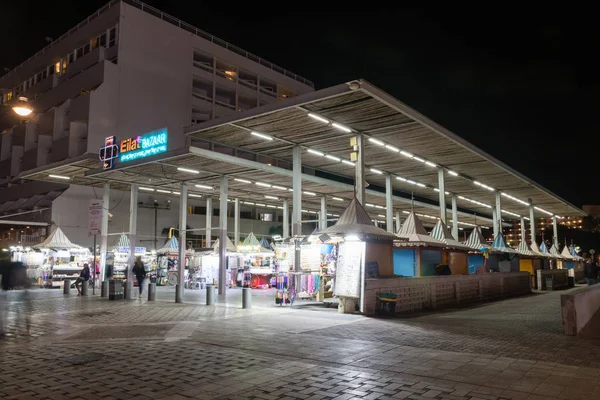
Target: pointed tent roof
x: 414, y: 231
x: 265, y: 243
x: 172, y: 247
x: 476, y: 240
x: 57, y: 241
x: 123, y: 241
x: 523, y: 249
x: 555, y: 253
x: 567, y: 254
x: 574, y: 254
x: 441, y: 233
x: 229, y: 246
x: 356, y: 221
x: 544, y: 250
x: 499, y: 245
x: 535, y: 248
x: 252, y: 245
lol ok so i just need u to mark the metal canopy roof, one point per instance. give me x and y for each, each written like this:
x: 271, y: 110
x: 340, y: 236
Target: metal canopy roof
x: 399, y: 141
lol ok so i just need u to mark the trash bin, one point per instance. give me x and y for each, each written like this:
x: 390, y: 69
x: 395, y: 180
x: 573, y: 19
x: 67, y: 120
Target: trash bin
x: 548, y: 283
x: 386, y: 304
x: 115, y: 289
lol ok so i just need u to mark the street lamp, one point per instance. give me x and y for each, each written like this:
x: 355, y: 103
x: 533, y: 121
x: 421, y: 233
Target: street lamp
x: 22, y: 107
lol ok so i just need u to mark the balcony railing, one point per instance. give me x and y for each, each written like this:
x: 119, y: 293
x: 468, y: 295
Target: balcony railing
x: 172, y: 20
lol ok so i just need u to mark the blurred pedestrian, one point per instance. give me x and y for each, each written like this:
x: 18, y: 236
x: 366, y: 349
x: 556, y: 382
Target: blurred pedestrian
x: 139, y: 271
x: 4, y: 285
x: 24, y: 309
x: 84, y: 276
x: 590, y: 271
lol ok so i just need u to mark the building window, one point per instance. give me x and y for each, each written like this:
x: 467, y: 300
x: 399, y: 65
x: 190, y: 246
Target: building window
x: 80, y: 52
x: 94, y: 43
x: 266, y: 217
x: 64, y: 65
x: 9, y: 96
x: 71, y: 57
x: 86, y: 49
x: 112, y: 35
x: 44, y: 74
x: 103, y: 40
x: 246, y: 214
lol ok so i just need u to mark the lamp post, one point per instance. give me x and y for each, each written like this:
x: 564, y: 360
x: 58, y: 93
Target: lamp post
x: 21, y: 107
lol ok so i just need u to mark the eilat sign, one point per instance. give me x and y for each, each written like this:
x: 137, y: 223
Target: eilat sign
x: 130, y: 149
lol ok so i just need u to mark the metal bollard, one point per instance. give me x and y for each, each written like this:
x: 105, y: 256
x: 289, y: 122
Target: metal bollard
x: 67, y: 286
x: 85, y: 285
x: 104, y: 291
x: 246, y: 297
x: 210, y: 295
x: 178, y: 294
x: 128, y: 290
x: 151, y: 291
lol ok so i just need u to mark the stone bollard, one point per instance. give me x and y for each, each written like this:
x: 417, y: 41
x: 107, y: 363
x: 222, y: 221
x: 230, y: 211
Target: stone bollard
x: 67, y: 286
x: 104, y: 289
x: 246, y: 297
x: 85, y: 286
x: 178, y: 296
x: 210, y: 295
x: 128, y: 292
x: 151, y: 291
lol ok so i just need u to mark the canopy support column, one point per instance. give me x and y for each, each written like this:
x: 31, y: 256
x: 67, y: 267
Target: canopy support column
x: 209, y: 214
x: 133, y: 208
x: 104, y: 230
x: 555, y: 231
x: 454, y: 218
x: 236, y: 222
x: 323, y: 214
x: 286, y: 219
x: 398, y: 224
x: 297, y: 202
x: 523, y: 231
x: 494, y: 224
x: 223, y: 237
x: 442, y: 193
x: 182, y: 243
x: 389, y: 204
x: 499, y: 210
x: 359, y: 170
x: 532, y: 220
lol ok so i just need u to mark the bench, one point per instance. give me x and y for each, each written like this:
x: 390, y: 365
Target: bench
x: 581, y: 312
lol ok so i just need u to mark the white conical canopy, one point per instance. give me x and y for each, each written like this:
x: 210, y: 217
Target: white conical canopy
x: 57, y: 241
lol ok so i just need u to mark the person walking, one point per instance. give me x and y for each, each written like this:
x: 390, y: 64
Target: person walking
x: 84, y: 276
x: 590, y: 271
x: 139, y: 270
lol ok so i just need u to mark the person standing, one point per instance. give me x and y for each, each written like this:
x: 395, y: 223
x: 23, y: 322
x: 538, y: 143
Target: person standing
x: 590, y: 271
x: 139, y: 271
x: 84, y: 276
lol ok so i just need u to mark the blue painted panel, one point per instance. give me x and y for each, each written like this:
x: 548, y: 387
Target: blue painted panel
x: 570, y: 264
x: 405, y: 262
x: 429, y: 259
x: 474, y: 262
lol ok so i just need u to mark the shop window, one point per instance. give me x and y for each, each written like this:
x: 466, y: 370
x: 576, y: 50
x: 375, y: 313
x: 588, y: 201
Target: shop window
x: 266, y: 217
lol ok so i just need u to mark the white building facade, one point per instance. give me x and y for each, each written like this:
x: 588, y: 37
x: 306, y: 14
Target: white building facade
x: 126, y: 70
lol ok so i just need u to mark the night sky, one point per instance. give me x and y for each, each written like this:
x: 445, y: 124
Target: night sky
x: 520, y: 84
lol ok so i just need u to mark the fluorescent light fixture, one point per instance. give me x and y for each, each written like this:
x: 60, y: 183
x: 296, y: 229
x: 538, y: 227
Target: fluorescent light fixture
x: 332, y: 157
x: 249, y: 202
x: 312, y: 212
x: 370, y: 205
x: 260, y: 205
x: 484, y: 186
x: 418, y: 159
x: 310, y: 193
x: 279, y: 187
x: 66, y: 178
x: 453, y: 173
x: 280, y: 207
x: 163, y: 191
x: 376, y: 171
x: 421, y: 184
x: 146, y: 189
x: 241, y: 180
x: 177, y: 193
x: 337, y: 198
x: 316, y: 152
x: 263, y: 184
x: 511, y: 213
x: 436, y: 189
x: 304, y: 211
x: 199, y: 186
x: 271, y: 197
x: 542, y: 210
x: 336, y: 215
x: 191, y: 171
x: 401, y: 179
x: 290, y: 189
x: 376, y: 141
x: 514, y: 199
x: 378, y: 206
x: 271, y: 206
x: 406, y: 154
x: 411, y: 182
x: 194, y: 195
x: 392, y: 148
x: 430, y: 164
x: 261, y: 135
x: 341, y: 127
x: 381, y: 215
x: 318, y: 118
x: 349, y: 162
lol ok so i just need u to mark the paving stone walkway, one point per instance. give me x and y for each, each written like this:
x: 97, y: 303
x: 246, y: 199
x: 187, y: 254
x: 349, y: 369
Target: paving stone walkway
x: 92, y: 348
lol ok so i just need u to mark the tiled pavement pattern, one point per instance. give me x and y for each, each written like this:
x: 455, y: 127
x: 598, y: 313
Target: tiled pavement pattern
x: 507, y: 350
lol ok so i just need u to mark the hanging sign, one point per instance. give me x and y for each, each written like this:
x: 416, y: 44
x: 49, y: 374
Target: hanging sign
x: 95, y: 217
x: 137, y: 250
x: 144, y: 146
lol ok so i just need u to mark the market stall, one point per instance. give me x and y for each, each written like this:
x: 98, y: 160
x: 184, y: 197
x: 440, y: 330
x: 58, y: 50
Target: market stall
x: 62, y: 259
x: 209, y: 265
x: 167, y: 263
x: 552, y: 258
x: 364, y: 252
x: 258, y: 263
x: 501, y: 257
x: 455, y: 255
x: 544, y: 261
x: 561, y: 262
x: 415, y: 252
x: 529, y: 262
x: 120, y: 251
x: 480, y: 250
